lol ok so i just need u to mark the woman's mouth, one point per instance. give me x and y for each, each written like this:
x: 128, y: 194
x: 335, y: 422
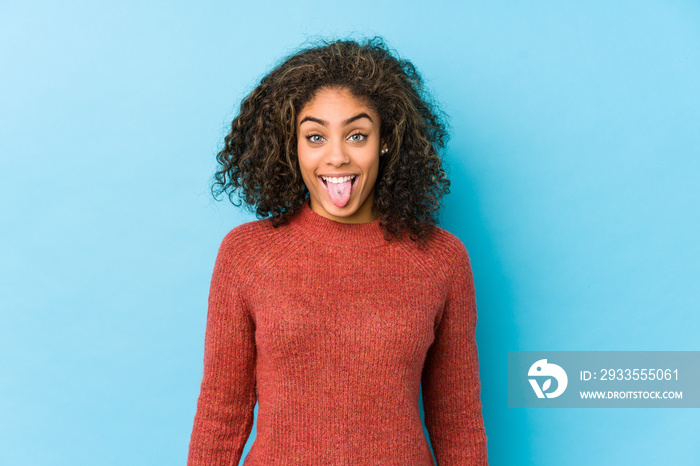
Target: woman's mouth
x: 339, y: 188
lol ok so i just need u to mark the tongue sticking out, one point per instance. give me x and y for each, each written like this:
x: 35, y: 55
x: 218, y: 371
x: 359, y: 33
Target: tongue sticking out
x: 339, y: 192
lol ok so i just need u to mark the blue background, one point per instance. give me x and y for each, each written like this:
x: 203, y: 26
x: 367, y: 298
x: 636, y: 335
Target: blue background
x: 574, y: 162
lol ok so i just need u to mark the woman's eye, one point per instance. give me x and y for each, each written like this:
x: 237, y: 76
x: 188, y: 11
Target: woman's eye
x: 314, y: 138
x: 357, y: 137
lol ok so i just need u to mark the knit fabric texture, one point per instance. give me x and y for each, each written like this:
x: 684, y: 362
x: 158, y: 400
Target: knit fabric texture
x: 333, y: 330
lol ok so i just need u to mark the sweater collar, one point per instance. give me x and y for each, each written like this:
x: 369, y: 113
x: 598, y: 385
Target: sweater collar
x: 325, y: 230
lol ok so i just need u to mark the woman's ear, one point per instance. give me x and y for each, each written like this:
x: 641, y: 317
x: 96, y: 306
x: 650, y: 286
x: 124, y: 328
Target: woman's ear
x: 384, y: 148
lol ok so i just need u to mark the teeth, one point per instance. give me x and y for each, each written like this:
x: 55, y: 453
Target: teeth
x: 341, y: 179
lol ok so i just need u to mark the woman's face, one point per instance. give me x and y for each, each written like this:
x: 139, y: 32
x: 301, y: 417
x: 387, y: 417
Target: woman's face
x: 338, y: 138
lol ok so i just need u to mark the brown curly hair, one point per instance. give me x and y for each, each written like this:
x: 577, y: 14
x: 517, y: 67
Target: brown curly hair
x: 259, y: 159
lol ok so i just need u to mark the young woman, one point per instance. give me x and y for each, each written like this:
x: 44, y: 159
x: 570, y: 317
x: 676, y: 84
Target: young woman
x: 345, y: 298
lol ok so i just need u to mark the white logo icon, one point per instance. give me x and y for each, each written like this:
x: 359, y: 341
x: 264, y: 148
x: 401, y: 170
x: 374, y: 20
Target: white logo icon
x: 542, y: 368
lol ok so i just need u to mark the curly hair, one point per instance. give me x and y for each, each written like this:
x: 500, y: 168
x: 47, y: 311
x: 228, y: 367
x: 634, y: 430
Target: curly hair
x: 259, y: 159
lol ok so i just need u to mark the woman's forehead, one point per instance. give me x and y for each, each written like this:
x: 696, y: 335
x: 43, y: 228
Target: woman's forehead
x: 337, y: 105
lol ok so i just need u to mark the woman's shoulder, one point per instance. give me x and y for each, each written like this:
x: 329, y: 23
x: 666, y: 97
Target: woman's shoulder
x: 446, y: 245
x: 248, y: 234
x: 453, y: 254
x: 439, y: 256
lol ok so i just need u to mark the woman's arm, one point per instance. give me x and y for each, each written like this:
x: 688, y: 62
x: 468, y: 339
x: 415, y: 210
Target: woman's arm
x: 450, y: 379
x: 224, y: 416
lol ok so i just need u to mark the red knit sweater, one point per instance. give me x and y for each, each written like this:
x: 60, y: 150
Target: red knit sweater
x: 332, y: 330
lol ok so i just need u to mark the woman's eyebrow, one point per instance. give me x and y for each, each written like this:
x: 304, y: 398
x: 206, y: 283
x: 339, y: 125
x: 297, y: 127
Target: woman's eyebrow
x: 345, y: 123
x: 357, y: 117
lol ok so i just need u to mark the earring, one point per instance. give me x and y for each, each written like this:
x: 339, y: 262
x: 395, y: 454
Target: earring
x: 385, y: 150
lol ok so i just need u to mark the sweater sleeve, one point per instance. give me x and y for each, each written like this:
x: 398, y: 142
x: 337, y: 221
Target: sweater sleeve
x: 225, y: 407
x: 450, y: 378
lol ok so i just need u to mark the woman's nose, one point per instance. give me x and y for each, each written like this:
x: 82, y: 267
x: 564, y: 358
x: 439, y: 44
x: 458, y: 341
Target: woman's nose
x: 336, y: 154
